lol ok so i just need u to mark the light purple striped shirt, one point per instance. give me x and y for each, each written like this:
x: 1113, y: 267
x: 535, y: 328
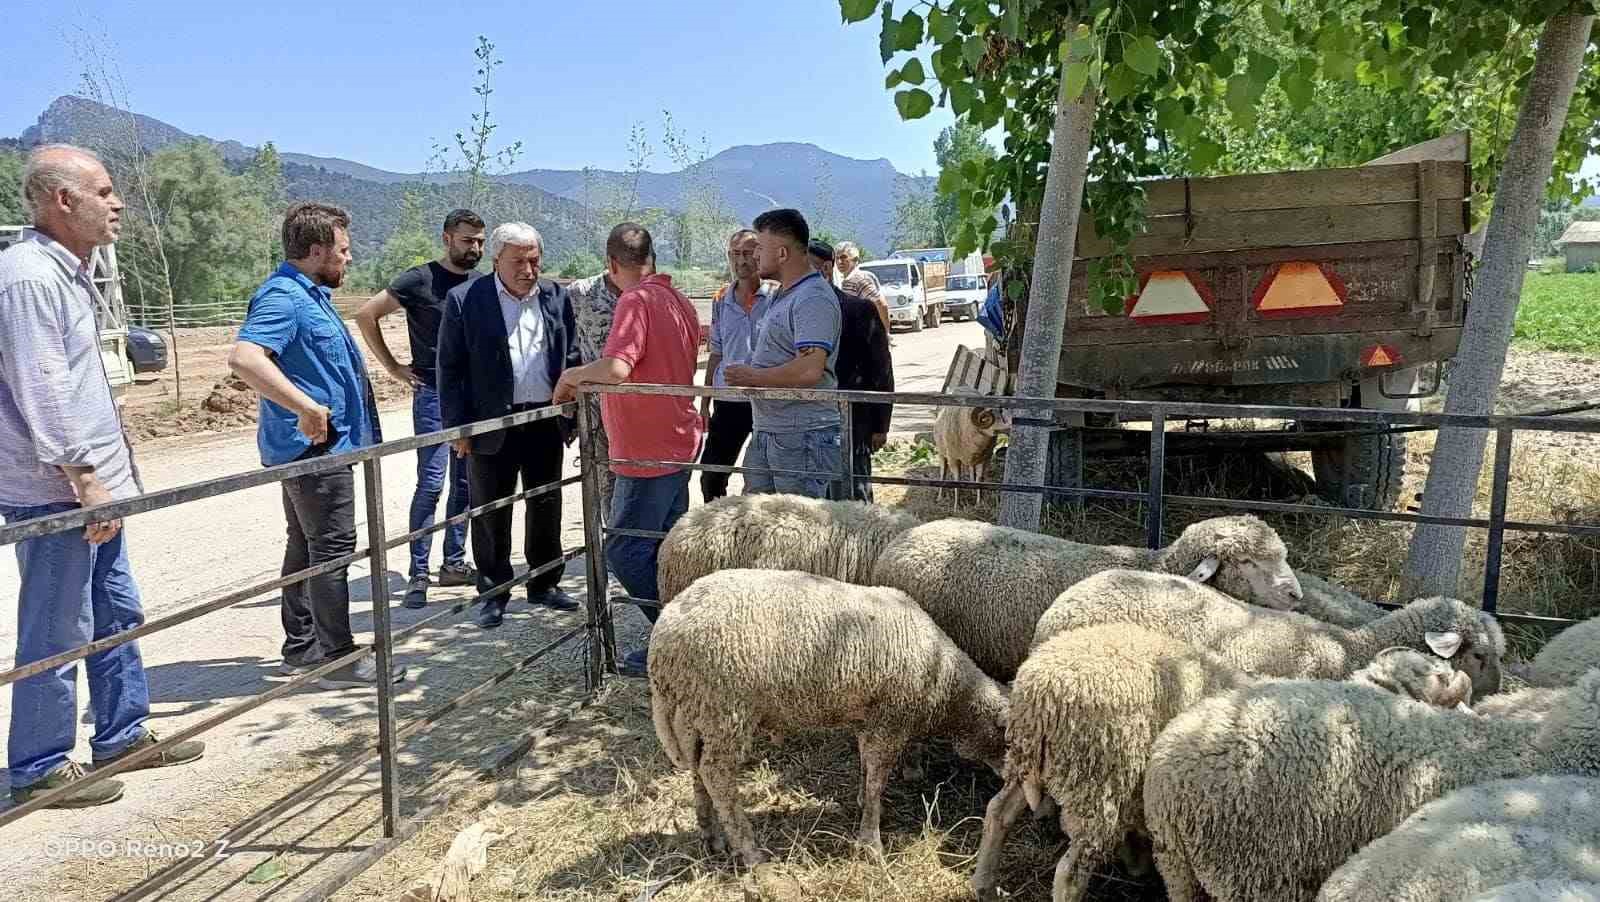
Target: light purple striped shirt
x: 56, y: 407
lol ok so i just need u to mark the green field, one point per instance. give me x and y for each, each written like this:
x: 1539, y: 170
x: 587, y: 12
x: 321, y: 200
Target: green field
x: 1560, y: 312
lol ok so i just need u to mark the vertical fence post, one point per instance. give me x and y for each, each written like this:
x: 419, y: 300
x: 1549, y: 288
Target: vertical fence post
x: 847, y: 445
x: 1158, y: 477
x: 377, y: 536
x: 602, y: 640
x: 1497, y: 518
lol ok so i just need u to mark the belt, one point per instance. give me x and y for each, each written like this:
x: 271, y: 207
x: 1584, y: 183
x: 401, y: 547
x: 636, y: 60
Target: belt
x: 530, y: 405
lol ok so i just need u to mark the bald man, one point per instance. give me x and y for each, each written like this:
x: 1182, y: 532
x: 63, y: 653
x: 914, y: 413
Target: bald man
x: 62, y: 448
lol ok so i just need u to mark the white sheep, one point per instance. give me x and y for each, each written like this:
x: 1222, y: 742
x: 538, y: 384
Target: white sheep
x: 1541, y: 891
x: 1261, y: 793
x: 1566, y: 656
x: 965, y: 438
x: 746, y: 652
x: 986, y: 585
x: 1479, y: 838
x: 1332, y: 603
x: 1087, y: 705
x: 1278, y: 643
x: 837, y: 539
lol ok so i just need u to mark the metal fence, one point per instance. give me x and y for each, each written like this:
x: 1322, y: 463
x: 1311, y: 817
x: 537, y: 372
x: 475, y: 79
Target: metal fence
x: 600, y: 648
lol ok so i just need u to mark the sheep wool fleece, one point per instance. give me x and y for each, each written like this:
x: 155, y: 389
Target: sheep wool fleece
x: 837, y: 539
x: 1566, y: 657
x: 1263, y: 792
x: 727, y: 664
x: 1479, y: 838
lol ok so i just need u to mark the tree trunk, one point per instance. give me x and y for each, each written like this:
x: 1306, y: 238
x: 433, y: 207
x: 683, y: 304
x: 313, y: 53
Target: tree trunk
x: 1434, y: 566
x: 1047, y: 301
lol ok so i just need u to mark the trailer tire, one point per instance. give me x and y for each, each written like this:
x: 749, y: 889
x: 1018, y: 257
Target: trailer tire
x: 1363, y: 472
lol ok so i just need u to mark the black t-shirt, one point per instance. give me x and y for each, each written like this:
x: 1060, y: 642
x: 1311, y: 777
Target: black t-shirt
x: 420, y: 291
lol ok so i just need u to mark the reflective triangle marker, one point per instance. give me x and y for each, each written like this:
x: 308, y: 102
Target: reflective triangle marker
x: 1170, y: 296
x: 1299, y: 289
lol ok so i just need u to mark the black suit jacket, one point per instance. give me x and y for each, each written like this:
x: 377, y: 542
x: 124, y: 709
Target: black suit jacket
x: 475, y: 356
x: 863, y: 364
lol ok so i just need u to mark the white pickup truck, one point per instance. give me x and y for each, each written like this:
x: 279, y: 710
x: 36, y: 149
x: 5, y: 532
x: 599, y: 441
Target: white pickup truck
x: 906, y: 292
x: 111, y: 315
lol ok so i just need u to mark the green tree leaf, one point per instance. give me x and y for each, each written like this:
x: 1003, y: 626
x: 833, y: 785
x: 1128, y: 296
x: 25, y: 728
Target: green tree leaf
x: 892, y: 79
x: 1077, y: 76
x: 1142, y: 55
x: 267, y: 871
x: 1273, y: 16
x: 1298, y: 88
x: 888, y: 33
x: 973, y: 50
x: 941, y: 25
x: 1419, y: 23
x: 962, y: 96
x: 913, y: 104
x: 910, y: 33
x: 1262, y: 69
x: 1204, y: 154
x: 856, y: 10
x: 1121, y: 82
x: 1222, y: 64
x: 911, y: 73
x: 1241, y: 101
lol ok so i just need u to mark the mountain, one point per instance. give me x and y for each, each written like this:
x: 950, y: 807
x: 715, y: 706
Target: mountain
x: 845, y: 196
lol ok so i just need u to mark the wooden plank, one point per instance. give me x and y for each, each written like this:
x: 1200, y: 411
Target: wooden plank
x: 1297, y: 190
x: 1248, y: 229
x: 1456, y: 146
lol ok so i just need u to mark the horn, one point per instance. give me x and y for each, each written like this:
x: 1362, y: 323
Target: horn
x: 982, y: 417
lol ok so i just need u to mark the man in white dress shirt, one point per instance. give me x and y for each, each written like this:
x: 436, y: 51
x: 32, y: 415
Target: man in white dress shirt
x: 503, y: 343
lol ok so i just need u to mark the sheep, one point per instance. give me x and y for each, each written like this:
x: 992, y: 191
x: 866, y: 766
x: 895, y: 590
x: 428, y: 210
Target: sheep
x: 1086, y: 707
x: 986, y: 585
x: 1262, y: 792
x: 838, y: 539
x: 1332, y: 603
x: 1278, y: 643
x: 1542, y: 891
x: 1478, y: 838
x: 1565, y: 657
x: 965, y: 438
x: 742, y: 652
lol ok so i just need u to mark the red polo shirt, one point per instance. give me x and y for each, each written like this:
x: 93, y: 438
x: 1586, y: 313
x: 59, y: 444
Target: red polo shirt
x: 656, y: 331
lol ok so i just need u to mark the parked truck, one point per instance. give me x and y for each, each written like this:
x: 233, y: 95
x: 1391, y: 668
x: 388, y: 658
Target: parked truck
x: 1326, y: 288
x: 914, y: 299
x: 110, y: 313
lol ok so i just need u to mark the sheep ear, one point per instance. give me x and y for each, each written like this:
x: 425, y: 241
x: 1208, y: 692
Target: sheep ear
x: 1445, y: 645
x: 1205, y: 570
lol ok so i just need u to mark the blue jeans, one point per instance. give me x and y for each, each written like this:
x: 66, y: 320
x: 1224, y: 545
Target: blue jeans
x: 72, y: 593
x: 817, y: 451
x: 643, y: 502
x: 432, y: 462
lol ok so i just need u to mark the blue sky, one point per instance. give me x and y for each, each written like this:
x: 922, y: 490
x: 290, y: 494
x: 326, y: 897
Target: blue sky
x: 377, y: 82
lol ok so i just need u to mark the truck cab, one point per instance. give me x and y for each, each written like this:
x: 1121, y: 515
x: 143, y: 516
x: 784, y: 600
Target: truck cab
x: 110, y: 314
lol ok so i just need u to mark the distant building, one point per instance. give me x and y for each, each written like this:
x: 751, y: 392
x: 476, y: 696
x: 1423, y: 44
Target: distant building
x: 1581, y: 245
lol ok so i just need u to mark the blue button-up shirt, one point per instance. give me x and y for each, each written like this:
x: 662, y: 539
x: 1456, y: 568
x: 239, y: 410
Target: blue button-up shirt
x: 294, y: 319
x: 56, y: 408
x: 733, y: 331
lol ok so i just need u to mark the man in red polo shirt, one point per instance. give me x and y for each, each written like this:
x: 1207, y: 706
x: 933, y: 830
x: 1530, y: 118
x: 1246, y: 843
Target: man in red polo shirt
x: 655, y: 334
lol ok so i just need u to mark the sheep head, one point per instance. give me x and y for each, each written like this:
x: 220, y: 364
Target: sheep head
x: 1241, y: 556
x: 1455, y: 631
x: 1412, y: 674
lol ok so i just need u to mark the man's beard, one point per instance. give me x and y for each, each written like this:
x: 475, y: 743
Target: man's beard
x: 331, y: 278
x: 467, y: 260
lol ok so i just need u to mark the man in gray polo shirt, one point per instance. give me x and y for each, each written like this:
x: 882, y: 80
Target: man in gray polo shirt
x: 795, y: 346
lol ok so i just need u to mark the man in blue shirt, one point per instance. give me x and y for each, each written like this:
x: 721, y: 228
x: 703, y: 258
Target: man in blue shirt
x: 796, y: 346
x: 734, y: 316
x: 316, y: 399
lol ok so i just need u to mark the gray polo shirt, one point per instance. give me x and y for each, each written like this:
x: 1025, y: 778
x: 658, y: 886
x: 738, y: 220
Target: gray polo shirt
x: 804, y: 316
x: 55, y: 402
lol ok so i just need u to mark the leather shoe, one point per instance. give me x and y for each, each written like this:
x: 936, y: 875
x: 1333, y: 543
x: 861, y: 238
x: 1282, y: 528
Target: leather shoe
x: 492, y: 613
x: 555, y: 599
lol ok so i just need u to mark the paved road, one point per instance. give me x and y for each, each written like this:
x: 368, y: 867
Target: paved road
x: 187, y: 555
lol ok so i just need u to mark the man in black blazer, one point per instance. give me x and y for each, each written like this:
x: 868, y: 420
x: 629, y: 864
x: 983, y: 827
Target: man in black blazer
x: 503, y: 342
x: 864, y: 364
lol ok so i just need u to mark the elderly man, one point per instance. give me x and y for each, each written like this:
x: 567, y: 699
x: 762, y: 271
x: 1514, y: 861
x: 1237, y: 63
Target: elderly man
x: 734, y: 316
x: 859, y: 282
x: 62, y: 448
x: 420, y: 292
x: 316, y: 400
x: 796, y: 346
x: 654, y: 339
x: 864, y: 365
x: 503, y: 343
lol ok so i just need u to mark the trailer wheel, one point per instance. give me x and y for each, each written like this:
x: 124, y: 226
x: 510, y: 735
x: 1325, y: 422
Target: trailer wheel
x: 1363, y: 472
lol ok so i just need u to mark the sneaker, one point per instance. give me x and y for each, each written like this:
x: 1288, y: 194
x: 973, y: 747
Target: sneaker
x: 416, y: 592
x: 102, y: 793
x: 182, y: 753
x: 555, y: 599
x: 460, y: 574
x: 354, y: 676
x: 636, y: 664
x: 293, y: 666
x: 492, y: 613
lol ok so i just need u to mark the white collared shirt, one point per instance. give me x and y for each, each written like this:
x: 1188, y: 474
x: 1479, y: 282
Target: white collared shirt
x: 525, y: 336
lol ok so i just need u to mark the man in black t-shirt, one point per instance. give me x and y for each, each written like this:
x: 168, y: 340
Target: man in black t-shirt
x: 420, y: 291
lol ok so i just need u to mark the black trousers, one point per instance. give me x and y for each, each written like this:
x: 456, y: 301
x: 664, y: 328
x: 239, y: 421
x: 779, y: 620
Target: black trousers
x: 725, y: 437
x: 532, y: 452
x: 321, y: 514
